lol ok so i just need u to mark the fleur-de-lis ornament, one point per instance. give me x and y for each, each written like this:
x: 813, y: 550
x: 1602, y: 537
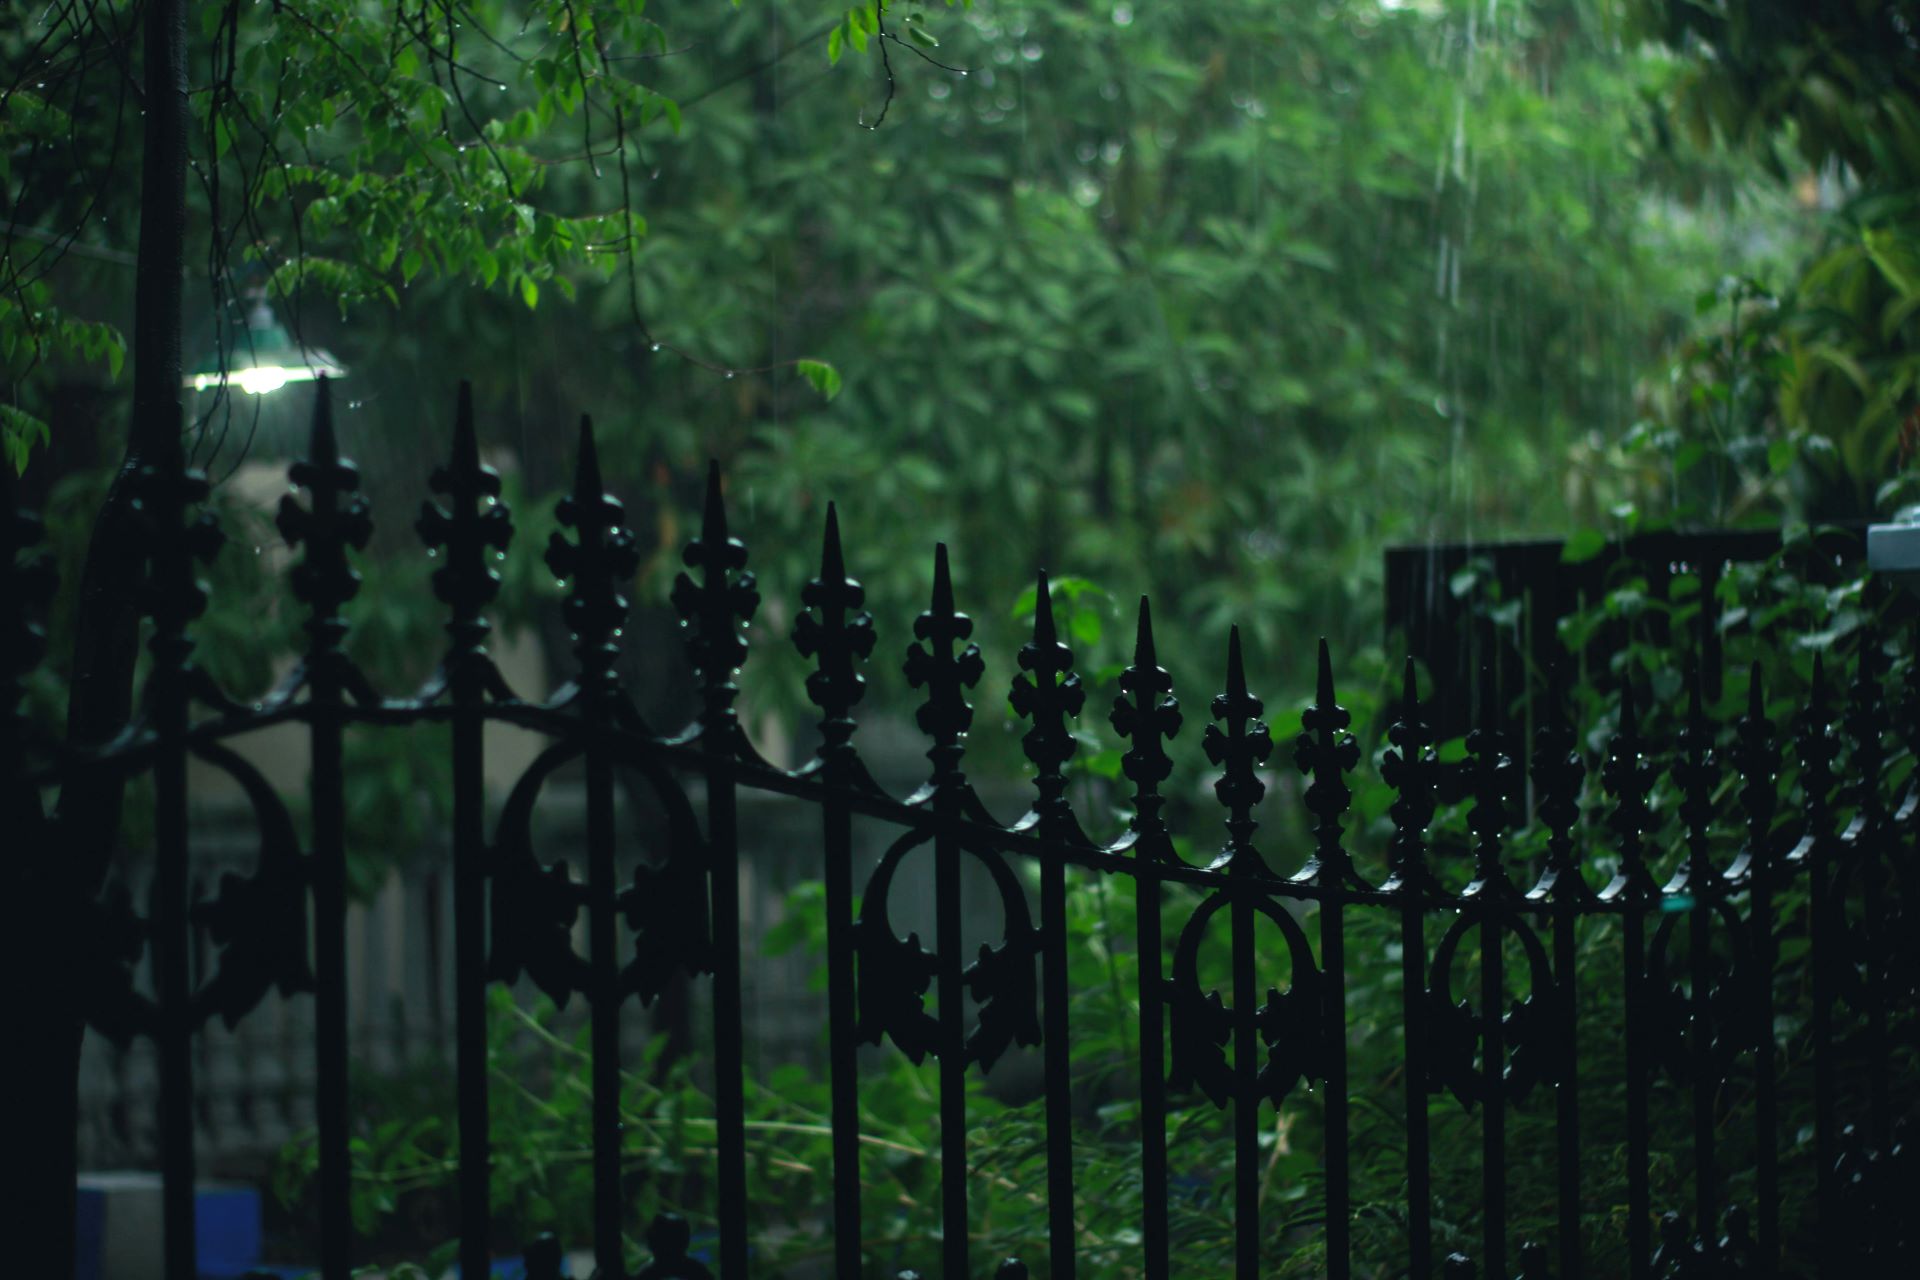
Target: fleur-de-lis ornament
x: 1558, y: 773
x: 1326, y: 752
x: 1238, y: 751
x: 1408, y: 767
x: 715, y: 610
x: 468, y: 524
x: 1147, y: 715
x: 598, y: 566
x: 1628, y: 776
x: 1491, y: 770
x: 336, y: 519
x: 837, y: 633
x: 933, y: 664
x: 1048, y: 693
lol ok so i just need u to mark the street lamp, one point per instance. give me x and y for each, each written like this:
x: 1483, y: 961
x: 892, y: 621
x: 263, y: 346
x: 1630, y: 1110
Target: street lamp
x: 266, y: 360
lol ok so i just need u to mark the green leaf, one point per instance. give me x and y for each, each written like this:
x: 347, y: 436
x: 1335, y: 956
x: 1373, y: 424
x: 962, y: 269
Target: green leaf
x: 836, y: 45
x: 529, y: 292
x: 1583, y: 546
x: 823, y: 377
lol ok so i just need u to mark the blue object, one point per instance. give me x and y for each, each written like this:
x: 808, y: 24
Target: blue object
x: 117, y: 1226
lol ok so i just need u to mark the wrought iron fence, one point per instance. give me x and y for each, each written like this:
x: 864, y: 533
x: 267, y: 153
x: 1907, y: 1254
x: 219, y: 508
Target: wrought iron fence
x: 1700, y: 1015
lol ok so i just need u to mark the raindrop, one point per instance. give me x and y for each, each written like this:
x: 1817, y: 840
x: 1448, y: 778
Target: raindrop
x: 1122, y: 15
x: 729, y: 375
x: 937, y: 91
x: 963, y: 71
x: 656, y: 346
x: 256, y: 551
x: 432, y: 553
x: 1032, y: 52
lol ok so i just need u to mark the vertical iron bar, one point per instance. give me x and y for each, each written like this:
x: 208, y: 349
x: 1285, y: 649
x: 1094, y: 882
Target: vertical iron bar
x: 1246, y: 1095
x: 1706, y: 1176
x: 470, y: 979
x: 1759, y: 765
x: 170, y: 949
x: 1333, y: 955
x: 1153, y: 1080
x: 604, y: 1028
x: 730, y: 1102
x: 1408, y: 768
x: 843, y: 1060
x: 599, y: 564
x: 1147, y: 714
x: 330, y: 956
x: 1817, y: 747
x: 953, y: 1047
x: 1058, y: 1063
x: 1567, y: 1090
x: 1493, y: 1147
x: 1413, y: 976
x: 1639, y: 1196
x: 838, y: 634
x: 470, y: 522
x: 1696, y: 771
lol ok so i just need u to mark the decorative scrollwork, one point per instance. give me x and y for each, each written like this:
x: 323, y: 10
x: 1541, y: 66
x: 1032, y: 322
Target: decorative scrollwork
x: 467, y: 525
x: 1697, y: 894
x: 1529, y: 1028
x: 715, y: 612
x: 1289, y: 1022
x: 597, y: 565
x: 118, y: 936
x: 534, y: 906
x: 259, y: 922
x: 667, y: 909
x: 895, y: 972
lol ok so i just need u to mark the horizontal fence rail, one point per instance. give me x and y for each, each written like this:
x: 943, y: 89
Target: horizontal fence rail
x: 1490, y: 972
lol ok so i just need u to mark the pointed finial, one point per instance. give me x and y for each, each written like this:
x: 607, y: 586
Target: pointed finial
x: 713, y: 520
x: 835, y: 631
x: 324, y: 449
x: 942, y: 581
x: 1146, y: 714
x: 1144, y: 656
x: 1407, y: 767
x: 1325, y: 751
x: 1238, y: 750
x: 833, y: 565
x: 1043, y: 629
x: 466, y: 445
x: 586, y: 470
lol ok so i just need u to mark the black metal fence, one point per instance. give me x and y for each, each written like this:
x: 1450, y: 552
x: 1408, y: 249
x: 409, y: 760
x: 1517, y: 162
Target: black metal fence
x: 1698, y: 1015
